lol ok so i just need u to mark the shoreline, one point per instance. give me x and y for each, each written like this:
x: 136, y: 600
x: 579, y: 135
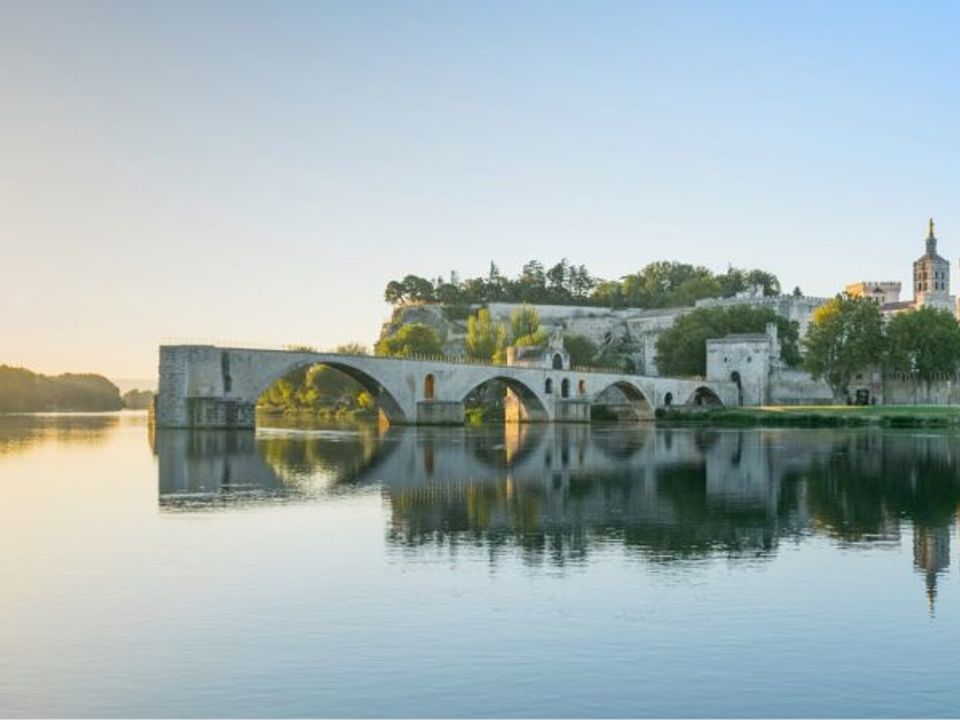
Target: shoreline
x: 892, y: 416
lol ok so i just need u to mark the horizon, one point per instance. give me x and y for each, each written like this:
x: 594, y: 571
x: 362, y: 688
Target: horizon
x: 169, y: 174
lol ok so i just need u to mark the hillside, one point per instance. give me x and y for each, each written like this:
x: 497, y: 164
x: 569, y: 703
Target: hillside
x: 24, y: 391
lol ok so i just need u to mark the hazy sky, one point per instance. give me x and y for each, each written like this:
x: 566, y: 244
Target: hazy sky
x: 259, y: 171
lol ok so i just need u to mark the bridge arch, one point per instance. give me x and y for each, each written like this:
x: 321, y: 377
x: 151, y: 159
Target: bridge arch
x: 523, y: 402
x: 386, y: 399
x: 624, y: 396
x: 704, y: 397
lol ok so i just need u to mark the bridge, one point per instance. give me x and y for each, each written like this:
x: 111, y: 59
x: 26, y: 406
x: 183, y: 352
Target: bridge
x: 207, y: 386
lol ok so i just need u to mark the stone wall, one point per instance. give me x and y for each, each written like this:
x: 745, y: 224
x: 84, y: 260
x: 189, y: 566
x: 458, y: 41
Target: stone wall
x: 795, y: 387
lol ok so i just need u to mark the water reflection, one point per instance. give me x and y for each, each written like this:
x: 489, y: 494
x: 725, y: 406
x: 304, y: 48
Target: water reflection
x: 20, y: 432
x: 556, y: 493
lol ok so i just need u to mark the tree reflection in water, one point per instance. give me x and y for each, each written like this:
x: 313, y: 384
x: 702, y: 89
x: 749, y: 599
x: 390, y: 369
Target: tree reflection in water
x: 555, y: 492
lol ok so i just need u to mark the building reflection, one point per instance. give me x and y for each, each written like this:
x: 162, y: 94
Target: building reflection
x: 557, y: 493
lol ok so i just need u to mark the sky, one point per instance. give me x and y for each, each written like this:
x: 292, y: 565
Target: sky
x: 259, y: 171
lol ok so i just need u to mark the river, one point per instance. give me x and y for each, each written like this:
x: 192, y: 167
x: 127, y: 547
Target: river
x: 524, y: 571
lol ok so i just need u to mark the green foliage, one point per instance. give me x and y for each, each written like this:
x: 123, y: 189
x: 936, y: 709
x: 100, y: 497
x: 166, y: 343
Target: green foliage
x: 319, y: 390
x: 682, y: 350
x: 845, y: 337
x: 925, y: 342
x: 411, y: 340
x: 538, y: 338
x: 582, y: 350
x: 659, y: 284
x: 485, y: 339
x: 25, y: 391
x: 351, y: 348
x: 524, y: 321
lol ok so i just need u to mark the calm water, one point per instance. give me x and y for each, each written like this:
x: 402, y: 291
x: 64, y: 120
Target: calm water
x: 556, y: 571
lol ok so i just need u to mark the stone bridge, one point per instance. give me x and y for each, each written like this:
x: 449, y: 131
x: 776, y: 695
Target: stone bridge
x: 218, y: 387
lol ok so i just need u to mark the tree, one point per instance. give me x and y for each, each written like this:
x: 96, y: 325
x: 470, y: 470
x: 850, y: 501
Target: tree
x: 484, y: 337
x: 682, y: 350
x: 924, y: 343
x: 557, y: 277
x: 410, y: 340
x: 846, y: 336
x: 582, y: 349
x: 394, y: 293
x: 418, y: 289
x: 524, y: 321
x: 351, y: 348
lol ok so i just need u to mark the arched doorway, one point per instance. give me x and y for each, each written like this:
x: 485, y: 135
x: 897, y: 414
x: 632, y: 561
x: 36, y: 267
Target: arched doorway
x: 558, y: 361
x: 429, y: 387
x: 548, y: 386
x: 565, y: 388
x: 735, y: 378
x: 668, y: 399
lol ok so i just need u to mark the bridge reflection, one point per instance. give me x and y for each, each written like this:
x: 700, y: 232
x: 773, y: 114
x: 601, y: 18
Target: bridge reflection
x: 556, y: 493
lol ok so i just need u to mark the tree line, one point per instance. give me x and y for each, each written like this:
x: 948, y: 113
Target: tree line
x: 24, y: 391
x: 657, y: 285
x: 849, y: 336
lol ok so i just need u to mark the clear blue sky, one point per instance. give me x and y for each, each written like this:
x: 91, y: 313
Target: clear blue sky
x: 261, y: 170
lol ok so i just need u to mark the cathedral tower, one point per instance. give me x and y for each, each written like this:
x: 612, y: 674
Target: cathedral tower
x: 931, y: 277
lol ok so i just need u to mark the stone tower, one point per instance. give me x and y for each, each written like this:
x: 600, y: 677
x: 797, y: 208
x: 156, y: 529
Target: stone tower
x: 931, y: 277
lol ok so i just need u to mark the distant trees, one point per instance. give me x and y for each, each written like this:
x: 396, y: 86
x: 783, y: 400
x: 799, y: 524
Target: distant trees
x: 318, y: 389
x: 682, y: 349
x: 659, y: 284
x: 411, y: 340
x: 137, y: 399
x: 24, y: 391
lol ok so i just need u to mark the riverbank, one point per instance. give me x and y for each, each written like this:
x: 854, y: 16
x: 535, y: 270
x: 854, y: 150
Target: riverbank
x: 896, y: 416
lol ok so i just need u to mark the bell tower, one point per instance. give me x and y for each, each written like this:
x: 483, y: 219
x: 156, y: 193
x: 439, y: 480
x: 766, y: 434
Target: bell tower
x: 931, y: 276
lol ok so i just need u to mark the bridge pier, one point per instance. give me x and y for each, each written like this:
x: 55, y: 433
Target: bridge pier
x: 440, y: 412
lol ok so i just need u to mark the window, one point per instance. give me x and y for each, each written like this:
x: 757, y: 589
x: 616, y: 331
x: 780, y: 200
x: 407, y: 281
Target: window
x: 564, y: 388
x: 429, y: 387
x: 548, y: 387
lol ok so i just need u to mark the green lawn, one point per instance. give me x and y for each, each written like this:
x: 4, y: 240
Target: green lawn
x: 819, y: 415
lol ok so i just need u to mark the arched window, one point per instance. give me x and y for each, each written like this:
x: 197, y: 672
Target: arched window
x: 429, y: 387
x: 548, y: 387
x: 558, y: 362
x: 582, y: 387
x: 564, y: 388
x: 668, y: 399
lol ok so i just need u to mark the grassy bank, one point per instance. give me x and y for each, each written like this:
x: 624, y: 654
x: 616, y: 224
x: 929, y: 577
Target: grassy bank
x: 896, y: 416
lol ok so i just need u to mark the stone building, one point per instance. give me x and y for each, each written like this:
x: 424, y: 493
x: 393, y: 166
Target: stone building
x: 550, y: 356
x: 883, y: 292
x: 633, y: 332
x: 931, y: 277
